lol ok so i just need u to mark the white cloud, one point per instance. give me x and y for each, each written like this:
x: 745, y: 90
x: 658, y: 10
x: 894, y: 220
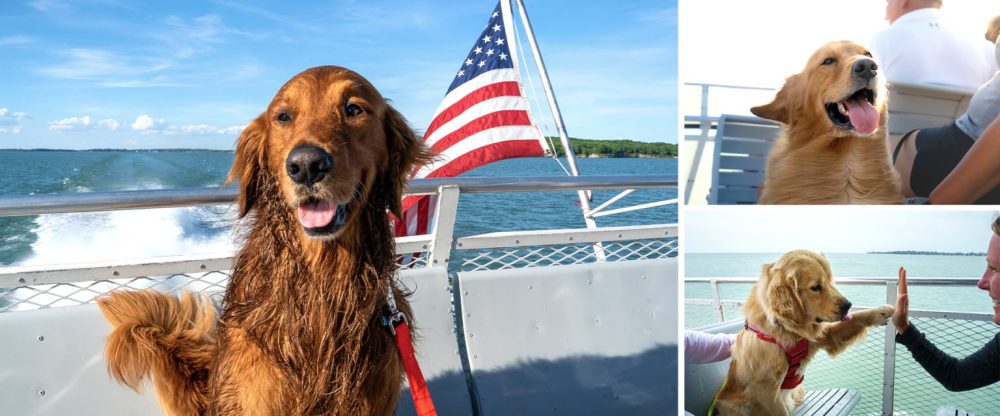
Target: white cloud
x: 148, y: 125
x: 109, y: 123
x: 85, y: 123
x: 17, y: 40
x: 10, y: 121
x: 109, y: 69
x: 206, y: 130
x: 46, y: 6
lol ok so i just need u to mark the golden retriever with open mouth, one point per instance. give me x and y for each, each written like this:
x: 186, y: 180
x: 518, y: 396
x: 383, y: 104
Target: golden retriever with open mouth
x: 833, y: 147
x: 793, y: 311
x: 301, y: 330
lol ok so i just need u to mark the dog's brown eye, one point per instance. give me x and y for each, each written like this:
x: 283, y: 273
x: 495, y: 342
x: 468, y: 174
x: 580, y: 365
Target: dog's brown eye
x: 284, y: 117
x: 354, y: 110
x: 816, y: 288
x: 829, y: 61
x: 868, y: 54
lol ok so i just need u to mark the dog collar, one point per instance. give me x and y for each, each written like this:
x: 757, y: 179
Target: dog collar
x: 793, y: 354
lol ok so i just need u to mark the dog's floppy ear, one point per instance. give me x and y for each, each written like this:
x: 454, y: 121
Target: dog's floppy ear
x: 406, y: 151
x: 249, y: 160
x: 788, y: 97
x: 783, y: 292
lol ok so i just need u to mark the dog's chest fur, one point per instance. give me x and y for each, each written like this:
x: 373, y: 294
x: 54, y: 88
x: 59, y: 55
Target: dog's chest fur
x: 844, y: 170
x: 306, y: 313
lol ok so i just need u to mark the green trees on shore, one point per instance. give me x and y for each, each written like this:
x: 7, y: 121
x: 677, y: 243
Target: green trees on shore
x: 616, y: 148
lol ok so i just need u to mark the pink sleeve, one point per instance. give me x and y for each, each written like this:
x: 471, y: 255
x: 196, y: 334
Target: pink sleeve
x: 701, y: 347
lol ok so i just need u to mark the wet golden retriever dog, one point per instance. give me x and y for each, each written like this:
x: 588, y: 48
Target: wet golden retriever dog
x: 833, y: 147
x: 300, y: 331
x: 793, y: 311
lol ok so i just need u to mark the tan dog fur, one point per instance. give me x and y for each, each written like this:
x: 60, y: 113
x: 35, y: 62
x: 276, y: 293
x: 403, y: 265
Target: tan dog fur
x: 815, y: 162
x: 786, y: 305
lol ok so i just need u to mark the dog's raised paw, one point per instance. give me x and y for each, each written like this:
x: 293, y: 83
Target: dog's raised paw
x: 882, y: 314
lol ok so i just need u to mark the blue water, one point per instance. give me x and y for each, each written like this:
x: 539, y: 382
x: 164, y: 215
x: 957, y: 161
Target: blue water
x: 70, y: 238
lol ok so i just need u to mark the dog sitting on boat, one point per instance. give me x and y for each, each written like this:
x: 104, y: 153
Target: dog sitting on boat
x: 793, y: 311
x: 833, y: 147
x: 301, y: 330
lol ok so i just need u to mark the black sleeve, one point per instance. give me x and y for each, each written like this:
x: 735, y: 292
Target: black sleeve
x: 982, y: 368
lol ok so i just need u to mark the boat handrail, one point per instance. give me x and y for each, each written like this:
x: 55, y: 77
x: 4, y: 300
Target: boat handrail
x: 923, y: 281
x: 508, y: 249
x: 20, y: 205
x: 736, y: 87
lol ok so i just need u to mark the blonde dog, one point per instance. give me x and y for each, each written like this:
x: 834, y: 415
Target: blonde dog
x: 793, y: 311
x: 833, y: 147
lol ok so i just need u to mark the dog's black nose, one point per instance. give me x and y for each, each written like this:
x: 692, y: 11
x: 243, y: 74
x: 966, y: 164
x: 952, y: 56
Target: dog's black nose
x: 845, y: 307
x: 865, y: 68
x: 308, y: 164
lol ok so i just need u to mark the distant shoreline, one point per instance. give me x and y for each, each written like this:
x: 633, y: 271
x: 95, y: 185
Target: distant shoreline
x: 929, y: 253
x: 592, y: 149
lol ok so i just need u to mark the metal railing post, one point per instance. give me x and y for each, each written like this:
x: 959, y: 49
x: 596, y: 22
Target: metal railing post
x: 444, y: 226
x: 706, y: 125
x: 889, y: 358
x: 716, y: 301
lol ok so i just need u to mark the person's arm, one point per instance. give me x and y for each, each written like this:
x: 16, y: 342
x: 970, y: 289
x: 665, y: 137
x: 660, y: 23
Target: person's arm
x: 980, y: 369
x: 701, y: 347
x: 976, y: 174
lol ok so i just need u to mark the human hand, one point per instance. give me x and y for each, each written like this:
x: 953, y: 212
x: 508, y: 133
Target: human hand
x: 901, y: 319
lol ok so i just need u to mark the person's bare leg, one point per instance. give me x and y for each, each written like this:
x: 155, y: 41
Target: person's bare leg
x: 904, y: 161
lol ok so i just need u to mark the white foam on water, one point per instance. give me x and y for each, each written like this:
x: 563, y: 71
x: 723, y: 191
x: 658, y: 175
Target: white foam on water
x: 131, y: 235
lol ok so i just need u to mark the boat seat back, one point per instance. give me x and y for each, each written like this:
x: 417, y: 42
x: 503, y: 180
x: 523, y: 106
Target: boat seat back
x: 703, y: 381
x: 742, y: 145
x: 595, y: 338
x: 915, y: 106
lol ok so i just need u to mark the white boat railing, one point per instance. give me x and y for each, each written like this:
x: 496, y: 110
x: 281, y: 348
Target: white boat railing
x: 890, y: 382
x: 33, y: 287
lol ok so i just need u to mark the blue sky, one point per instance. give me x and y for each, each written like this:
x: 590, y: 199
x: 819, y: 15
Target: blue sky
x: 131, y: 74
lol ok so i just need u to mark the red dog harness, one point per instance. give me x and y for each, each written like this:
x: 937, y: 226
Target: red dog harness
x: 793, y: 354
x: 396, y: 322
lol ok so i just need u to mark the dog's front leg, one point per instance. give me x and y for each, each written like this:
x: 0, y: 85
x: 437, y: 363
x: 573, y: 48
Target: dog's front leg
x: 840, y: 335
x: 753, y: 407
x: 247, y: 381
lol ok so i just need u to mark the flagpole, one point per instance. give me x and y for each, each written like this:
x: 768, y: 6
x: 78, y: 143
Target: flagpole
x: 556, y: 114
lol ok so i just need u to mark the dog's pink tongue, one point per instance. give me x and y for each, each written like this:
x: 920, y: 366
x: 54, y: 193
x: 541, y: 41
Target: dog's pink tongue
x: 317, y: 214
x: 864, y: 116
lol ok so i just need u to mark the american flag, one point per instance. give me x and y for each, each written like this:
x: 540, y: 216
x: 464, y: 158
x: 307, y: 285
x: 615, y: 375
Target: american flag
x: 483, y: 118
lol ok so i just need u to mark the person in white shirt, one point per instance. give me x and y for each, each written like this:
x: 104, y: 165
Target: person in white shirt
x: 918, y: 47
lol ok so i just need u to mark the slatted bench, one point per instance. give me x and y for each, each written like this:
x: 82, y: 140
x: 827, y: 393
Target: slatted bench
x: 742, y: 144
x: 828, y: 402
x: 953, y: 411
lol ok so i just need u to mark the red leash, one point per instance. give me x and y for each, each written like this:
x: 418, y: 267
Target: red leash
x: 418, y: 386
x: 397, y: 324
